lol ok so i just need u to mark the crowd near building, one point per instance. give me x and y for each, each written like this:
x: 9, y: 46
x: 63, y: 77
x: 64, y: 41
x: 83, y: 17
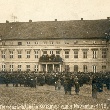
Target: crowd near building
x: 55, y: 46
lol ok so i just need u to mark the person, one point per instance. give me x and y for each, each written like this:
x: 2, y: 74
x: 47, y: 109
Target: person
x: 58, y: 84
x: 76, y: 84
x: 94, y: 88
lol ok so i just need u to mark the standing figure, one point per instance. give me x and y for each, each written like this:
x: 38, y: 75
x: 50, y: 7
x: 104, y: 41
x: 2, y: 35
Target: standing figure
x: 94, y: 88
x: 76, y: 84
x: 58, y: 84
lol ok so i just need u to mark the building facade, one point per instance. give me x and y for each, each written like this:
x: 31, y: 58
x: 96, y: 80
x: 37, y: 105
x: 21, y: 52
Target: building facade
x: 78, y: 45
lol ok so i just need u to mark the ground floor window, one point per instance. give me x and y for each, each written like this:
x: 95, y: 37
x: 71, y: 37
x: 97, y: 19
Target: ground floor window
x: 27, y: 67
x: 3, y: 67
x: 36, y: 67
x: 75, y: 68
x: 19, y: 67
x: 84, y: 68
x: 11, y: 68
x: 67, y: 68
x: 94, y: 68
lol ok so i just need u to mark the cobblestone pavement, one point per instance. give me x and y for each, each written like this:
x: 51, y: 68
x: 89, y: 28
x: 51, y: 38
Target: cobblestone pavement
x: 46, y: 97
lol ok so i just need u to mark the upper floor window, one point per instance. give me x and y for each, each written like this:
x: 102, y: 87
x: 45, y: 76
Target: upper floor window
x: 28, y: 54
x: 84, y: 54
x: 36, y: 54
x: 19, y: 43
x: 66, y: 54
x: 94, y: 53
x: 3, y: 54
x: 75, y: 53
x: 104, y: 53
x: 19, y: 54
x: 11, y: 54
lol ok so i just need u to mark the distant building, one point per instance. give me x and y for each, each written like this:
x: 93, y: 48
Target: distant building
x: 76, y: 45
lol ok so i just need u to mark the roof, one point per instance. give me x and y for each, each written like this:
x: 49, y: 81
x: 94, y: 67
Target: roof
x: 73, y: 29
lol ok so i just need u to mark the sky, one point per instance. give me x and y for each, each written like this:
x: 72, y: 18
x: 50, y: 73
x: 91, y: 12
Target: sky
x: 49, y: 10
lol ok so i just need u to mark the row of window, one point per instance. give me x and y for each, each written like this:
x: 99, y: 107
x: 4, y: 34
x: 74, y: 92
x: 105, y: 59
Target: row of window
x: 19, y: 67
x: 85, y: 54
x: 51, y: 42
x: 85, y: 68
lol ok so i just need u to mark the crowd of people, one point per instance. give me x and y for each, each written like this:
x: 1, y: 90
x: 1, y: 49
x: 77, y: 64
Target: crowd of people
x: 58, y: 79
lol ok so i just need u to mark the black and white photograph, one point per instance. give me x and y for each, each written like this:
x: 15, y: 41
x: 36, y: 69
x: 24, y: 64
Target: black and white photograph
x: 54, y: 54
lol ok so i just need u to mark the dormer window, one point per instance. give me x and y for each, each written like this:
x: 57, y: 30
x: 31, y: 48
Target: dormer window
x: 51, y: 42
x: 28, y: 43
x: 36, y: 42
x: 19, y: 43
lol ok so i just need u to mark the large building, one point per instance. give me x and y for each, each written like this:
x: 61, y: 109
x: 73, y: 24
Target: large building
x: 76, y: 45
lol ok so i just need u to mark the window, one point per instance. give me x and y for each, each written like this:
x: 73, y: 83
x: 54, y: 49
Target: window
x: 11, y: 68
x: 94, y: 54
x: 28, y: 54
x: 19, y: 43
x: 36, y: 67
x: 104, y: 54
x: 84, y: 54
x: 67, y: 68
x: 19, y: 67
x: 76, y: 54
x: 66, y: 54
x: 66, y: 42
x: 3, y: 67
x: 51, y: 42
x: 3, y: 43
x: 75, y: 68
x: 94, y: 68
x: 103, y: 67
x: 27, y: 67
x: 36, y: 54
x: 51, y: 52
x: 11, y: 54
x: 3, y: 54
x: 28, y: 43
x: 57, y: 52
x: 58, y: 42
x: 36, y: 42
x: 45, y: 52
x: 84, y: 68
x: 19, y: 54
x: 45, y: 42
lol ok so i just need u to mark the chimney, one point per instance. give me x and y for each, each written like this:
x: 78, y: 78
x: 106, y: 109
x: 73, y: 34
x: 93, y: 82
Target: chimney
x: 7, y: 21
x: 108, y: 18
x: 30, y: 21
x: 81, y: 19
x: 55, y: 19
